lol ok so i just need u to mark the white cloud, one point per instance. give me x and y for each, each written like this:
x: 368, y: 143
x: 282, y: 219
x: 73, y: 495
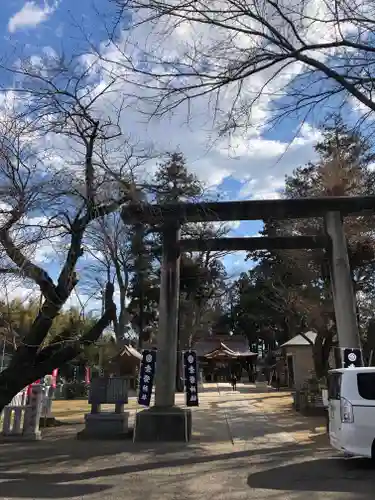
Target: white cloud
x: 270, y: 190
x: 20, y: 293
x: 258, y: 162
x: 46, y: 252
x: 215, y: 48
x: 247, y: 155
x: 31, y: 15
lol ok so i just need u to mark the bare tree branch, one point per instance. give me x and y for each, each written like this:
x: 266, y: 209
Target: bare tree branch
x: 303, y: 55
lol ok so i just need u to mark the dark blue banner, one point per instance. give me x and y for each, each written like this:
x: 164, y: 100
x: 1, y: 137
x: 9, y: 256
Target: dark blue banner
x: 191, y: 378
x: 146, y: 376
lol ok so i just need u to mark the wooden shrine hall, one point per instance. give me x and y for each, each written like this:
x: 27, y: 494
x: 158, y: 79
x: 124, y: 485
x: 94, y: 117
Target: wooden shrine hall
x: 221, y: 355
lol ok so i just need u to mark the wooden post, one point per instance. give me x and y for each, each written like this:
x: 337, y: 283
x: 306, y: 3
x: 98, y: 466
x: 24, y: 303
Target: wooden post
x: 166, y: 359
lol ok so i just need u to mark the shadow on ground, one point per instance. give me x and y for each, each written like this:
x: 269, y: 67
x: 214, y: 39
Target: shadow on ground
x: 219, y: 424
x: 69, y: 484
x: 60, y: 466
x: 326, y: 475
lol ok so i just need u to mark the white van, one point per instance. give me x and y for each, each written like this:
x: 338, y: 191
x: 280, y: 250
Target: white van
x: 351, y: 406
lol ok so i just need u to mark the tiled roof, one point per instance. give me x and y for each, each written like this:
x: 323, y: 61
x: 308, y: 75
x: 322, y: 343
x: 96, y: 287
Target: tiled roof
x: 238, y: 345
x: 299, y: 340
x: 130, y: 351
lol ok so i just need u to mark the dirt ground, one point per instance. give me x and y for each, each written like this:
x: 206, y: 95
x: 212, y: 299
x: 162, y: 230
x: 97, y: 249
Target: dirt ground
x: 247, y: 444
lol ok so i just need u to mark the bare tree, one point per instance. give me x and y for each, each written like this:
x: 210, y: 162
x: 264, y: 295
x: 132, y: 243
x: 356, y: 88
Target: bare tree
x: 108, y: 242
x: 245, y: 52
x: 314, y: 307
x: 51, y: 169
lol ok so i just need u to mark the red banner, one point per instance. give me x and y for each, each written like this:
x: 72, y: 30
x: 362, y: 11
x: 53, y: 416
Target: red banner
x: 54, y: 377
x: 87, y: 375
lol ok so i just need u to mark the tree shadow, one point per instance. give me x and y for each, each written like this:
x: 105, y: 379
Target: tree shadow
x: 328, y: 475
x: 53, y: 464
x: 219, y: 426
x: 63, y: 484
x: 42, y: 487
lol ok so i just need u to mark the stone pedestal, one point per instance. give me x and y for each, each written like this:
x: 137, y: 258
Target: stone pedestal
x: 47, y: 419
x: 169, y: 424
x: 105, y: 426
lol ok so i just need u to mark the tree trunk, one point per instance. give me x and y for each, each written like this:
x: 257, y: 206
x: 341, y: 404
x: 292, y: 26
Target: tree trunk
x: 321, y: 350
x: 141, y: 315
x: 123, y: 317
x: 9, y: 387
x: 23, y: 371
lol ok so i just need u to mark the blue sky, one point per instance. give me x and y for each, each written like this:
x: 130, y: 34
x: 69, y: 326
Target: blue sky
x: 251, y: 165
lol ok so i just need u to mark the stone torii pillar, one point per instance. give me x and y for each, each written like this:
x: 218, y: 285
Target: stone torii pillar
x: 165, y: 376
x: 342, y: 285
x: 165, y: 421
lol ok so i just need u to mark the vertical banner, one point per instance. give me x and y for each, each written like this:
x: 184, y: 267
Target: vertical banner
x: 55, y: 374
x: 191, y: 378
x: 87, y: 375
x: 146, y: 376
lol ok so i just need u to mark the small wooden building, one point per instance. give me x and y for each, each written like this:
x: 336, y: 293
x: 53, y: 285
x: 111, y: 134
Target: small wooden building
x: 299, y: 359
x: 126, y: 362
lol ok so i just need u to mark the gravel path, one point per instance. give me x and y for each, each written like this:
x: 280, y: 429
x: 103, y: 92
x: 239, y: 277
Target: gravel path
x: 246, y: 445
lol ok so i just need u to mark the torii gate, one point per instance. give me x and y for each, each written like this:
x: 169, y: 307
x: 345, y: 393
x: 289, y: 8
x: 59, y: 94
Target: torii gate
x: 165, y: 421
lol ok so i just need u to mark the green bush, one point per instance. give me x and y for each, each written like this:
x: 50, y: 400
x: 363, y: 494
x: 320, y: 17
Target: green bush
x: 75, y: 390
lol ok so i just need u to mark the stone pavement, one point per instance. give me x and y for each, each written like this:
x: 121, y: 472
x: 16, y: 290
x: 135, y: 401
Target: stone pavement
x: 246, y: 445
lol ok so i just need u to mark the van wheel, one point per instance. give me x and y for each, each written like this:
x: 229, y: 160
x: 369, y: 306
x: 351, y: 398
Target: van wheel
x: 373, y: 451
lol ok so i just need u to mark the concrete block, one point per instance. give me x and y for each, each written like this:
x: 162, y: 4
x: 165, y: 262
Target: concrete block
x: 105, y: 426
x: 171, y: 424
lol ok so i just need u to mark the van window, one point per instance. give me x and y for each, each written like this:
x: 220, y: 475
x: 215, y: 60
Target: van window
x: 334, y: 386
x: 366, y: 385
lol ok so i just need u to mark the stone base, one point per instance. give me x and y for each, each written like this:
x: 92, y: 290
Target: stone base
x: 48, y: 422
x: 105, y: 426
x: 172, y: 424
x: 26, y: 436
x: 32, y: 436
x: 21, y: 437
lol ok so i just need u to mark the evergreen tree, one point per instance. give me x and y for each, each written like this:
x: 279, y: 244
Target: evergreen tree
x: 174, y: 183
x: 300, y: 276
x: 144, y: 285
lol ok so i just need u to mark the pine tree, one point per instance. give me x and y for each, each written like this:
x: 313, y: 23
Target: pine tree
x: 174, y: 183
